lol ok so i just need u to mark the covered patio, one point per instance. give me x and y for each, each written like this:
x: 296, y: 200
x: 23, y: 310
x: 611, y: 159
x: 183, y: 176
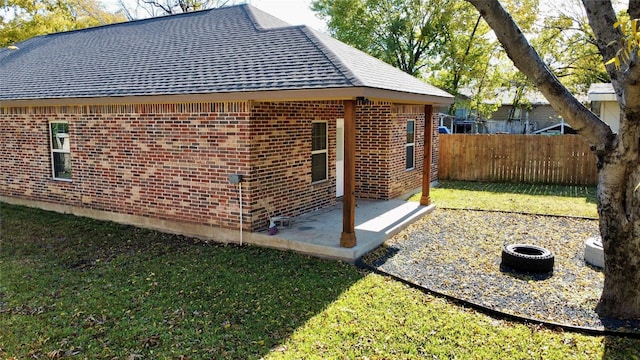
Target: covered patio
x: 318, y: 233
x: 351, y: 228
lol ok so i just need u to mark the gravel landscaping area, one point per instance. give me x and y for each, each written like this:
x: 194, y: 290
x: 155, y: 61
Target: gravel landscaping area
x: 458, y: 253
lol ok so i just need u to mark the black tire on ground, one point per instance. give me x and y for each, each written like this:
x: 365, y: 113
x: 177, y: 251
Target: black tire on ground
x: 527, y: 258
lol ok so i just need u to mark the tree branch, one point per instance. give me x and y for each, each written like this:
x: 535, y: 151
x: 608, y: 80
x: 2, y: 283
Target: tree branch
x: 527, y: 60
x: 627, y: 82
x: 632, y: 86
x: 634, y: 9
x: 608, y: 40
x: 125, y: 10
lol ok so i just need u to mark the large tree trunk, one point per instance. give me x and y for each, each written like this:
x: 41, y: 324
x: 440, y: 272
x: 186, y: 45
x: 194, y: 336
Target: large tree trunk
x: 619, y: 211
x: 618, y: 155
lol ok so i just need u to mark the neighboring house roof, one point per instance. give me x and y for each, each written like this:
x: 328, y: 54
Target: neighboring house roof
x: 602, y: 92
x: 505, y: 96
x: 236, y: 49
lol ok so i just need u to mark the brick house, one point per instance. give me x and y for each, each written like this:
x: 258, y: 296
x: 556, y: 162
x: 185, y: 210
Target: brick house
x: 146, y: 123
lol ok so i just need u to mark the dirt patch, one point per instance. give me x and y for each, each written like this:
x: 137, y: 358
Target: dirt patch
x: 458, y: 253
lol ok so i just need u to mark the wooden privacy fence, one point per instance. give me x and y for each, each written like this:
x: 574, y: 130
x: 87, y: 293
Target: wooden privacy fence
x: 561, y: 159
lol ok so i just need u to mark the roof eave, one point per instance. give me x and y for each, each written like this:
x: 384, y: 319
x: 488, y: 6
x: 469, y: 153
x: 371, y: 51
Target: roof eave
x: 602, y: 97
x: 345, y: 93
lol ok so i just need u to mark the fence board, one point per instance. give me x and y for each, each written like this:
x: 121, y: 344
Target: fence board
x: 562, y: 159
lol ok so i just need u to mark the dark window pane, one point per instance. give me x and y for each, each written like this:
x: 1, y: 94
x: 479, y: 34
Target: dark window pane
x: 410, y: 157
x: 318, y: 167
x: 410, y: 132
x: 319, y: 136
x: 62, y: 165
x: 409, y: 138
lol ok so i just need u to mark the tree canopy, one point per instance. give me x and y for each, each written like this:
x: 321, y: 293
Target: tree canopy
x: 23, y: 19
x: 449, y: 44
x: 567, y: 44
x: 403, y: 33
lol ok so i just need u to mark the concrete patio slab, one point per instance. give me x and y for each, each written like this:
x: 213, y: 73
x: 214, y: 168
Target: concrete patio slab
x: 318, y: 233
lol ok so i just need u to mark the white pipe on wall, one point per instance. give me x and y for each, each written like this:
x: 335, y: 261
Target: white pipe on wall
x: 240, y: 191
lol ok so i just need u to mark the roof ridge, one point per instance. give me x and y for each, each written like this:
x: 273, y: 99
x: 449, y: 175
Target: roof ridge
x: 138, y: 21
x: 340, y: 65
x: 264, y: 21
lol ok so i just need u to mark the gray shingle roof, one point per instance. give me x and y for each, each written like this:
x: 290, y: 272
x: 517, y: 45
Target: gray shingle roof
x: 233, y: 49
x: 506, y: 96
x: 602, y: 92
x: 601, y: 88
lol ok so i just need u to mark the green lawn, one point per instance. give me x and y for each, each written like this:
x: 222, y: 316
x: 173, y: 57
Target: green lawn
x: 79, y: 288
x: 526, y: 198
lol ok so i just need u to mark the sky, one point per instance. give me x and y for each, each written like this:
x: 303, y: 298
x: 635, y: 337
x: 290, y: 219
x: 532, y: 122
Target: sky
x: 295, y: 12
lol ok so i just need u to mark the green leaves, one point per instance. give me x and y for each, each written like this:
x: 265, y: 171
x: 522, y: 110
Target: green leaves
x: 28, y: 18
x: 567, y: 44
x: 630, y: 41
x: 403, y: 33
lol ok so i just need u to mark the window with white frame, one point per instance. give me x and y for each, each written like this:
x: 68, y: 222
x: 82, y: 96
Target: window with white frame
x: 60, y: 150
x: 411, y: 144
x: 319, y: 154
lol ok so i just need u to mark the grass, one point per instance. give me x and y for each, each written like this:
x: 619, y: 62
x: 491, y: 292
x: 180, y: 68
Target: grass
x: 80, y: 288
x: 72, y: 285
x: 526, y: 198
x: 378, y: 318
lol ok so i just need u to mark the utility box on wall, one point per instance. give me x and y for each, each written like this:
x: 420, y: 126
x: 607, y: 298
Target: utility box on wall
x: 235, y: 178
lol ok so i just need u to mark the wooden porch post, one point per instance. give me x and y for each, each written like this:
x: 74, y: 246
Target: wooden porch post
x: 348, y: 236
x: 428, y: 153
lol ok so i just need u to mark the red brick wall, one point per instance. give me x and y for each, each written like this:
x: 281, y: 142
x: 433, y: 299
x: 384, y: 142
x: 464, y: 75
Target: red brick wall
x: 403, y: 180
x: 171, y: 162
x: 381, y: 150
x: 26, y: 158
x: 161, y: 161
x: 281, y: 158
x: 373, y: 138
x: 408, y: 180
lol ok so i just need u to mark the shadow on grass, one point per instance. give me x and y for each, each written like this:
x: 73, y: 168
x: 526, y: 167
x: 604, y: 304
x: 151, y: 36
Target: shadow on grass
x: 380, y: 255
x: 76, y: 286
x: 621, y: 345
x: 587, y: 192
x: 620, y: 348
